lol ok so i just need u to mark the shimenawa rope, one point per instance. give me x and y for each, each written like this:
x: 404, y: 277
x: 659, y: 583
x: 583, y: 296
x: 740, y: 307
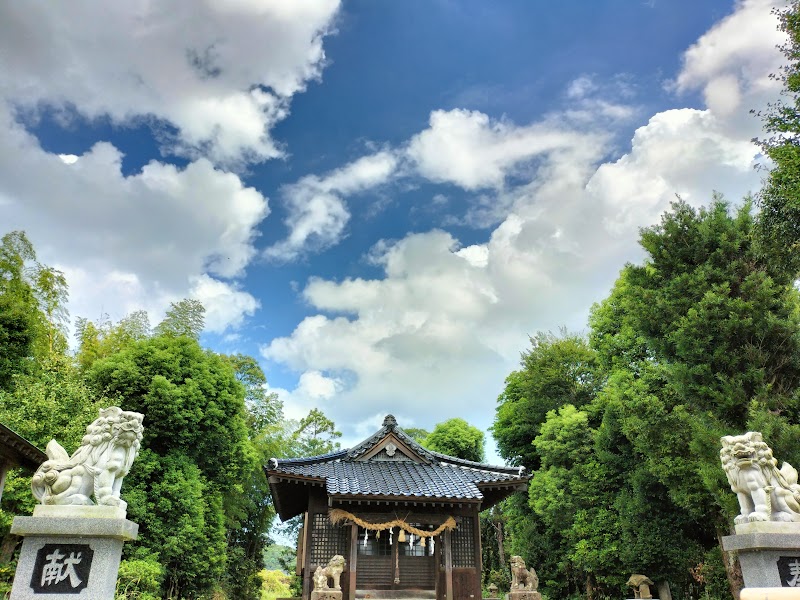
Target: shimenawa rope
x: 337, y: 515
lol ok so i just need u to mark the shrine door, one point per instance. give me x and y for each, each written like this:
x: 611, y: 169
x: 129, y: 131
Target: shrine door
x: 385, y: 563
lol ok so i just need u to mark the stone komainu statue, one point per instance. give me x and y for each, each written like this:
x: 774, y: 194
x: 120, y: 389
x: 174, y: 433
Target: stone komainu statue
x: 765, y: 493
x: 333, y: 570
x: 96, y: 469
x: 521, y: 577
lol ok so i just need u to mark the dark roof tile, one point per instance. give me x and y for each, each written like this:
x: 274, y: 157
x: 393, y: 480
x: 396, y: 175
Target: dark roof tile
x: 440, y: 476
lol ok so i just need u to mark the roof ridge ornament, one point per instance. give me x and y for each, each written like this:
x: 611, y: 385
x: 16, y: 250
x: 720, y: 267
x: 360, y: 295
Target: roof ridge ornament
x: 390, y: 422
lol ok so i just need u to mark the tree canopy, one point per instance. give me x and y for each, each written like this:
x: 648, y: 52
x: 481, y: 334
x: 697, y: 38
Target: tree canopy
x: 32, y: 308
x: 622, y: 432
x: 779, y: 198
x: 456, y: 437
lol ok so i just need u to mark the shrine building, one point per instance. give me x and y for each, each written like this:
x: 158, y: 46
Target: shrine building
x: 404, y: 518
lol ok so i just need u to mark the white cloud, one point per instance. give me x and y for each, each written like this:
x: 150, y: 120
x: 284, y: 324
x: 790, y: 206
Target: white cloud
x: 591, y: 102
x: 212, y: 79
x: 733, y: 60
x: 313, y: 390
x: 466, y: 148
x: 470, y: 150
x: 684, y: 152
x: 442, y: 326
x: 317, y: 213
x: 582, y: 86
x: 136, y: 241
x: 222, y: 73
x: 226, y: 305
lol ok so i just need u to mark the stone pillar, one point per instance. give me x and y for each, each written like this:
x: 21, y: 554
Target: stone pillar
x: 664, y: 592
x: 70, y: 552
x: 769, y: 553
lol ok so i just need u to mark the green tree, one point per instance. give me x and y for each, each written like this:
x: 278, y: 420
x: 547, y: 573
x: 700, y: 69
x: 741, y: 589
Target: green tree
x: 184, y: 318
x: 102, y: 339
x: 51, y: 292
x: 188, y: 490
x: 698, y: 341
x: 779, y: 198
x: 280, y: 558
x: 710, y: 310
x: 417, y: 433
x: 556, y: 371
x: 181, y: 522
x: 265, y: 409
x: 456, y: 437
x: 314, y: 435
x: 32, y: 308
x: 247, y: 542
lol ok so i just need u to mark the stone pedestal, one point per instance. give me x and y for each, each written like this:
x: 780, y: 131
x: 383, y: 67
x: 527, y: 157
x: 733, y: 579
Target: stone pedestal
x: 70, y: 552
x: 769, y: 553
x: 524, y: 595
x: 326, y: 595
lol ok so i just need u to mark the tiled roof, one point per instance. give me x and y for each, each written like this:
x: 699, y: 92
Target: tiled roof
x: 438, y: 480
x: 348, y: 473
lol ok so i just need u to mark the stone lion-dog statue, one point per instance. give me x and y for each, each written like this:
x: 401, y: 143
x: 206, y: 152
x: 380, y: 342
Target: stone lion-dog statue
x: 765, y: 493
x: 521, y: 577
x: 97, y: 467
x: 333, y: 570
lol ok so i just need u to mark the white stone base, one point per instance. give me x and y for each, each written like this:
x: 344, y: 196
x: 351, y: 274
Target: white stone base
x: 70, y: 511
x: 767, y: 527
x: 761, y: 550
x: 104, y: 536
x: 770, y: 594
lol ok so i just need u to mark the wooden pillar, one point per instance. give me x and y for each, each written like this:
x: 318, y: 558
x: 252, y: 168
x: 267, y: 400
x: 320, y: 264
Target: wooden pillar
x: 476, y: 519
x: 4, y: 466
x: 448, y: 565
x: 306, y: 552
x: 353, y: 562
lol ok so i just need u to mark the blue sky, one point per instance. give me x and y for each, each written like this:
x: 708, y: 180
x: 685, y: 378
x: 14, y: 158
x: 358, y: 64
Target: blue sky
x: 379, y: 200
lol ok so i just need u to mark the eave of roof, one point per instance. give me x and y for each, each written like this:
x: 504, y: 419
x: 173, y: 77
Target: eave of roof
x: 19, y: 450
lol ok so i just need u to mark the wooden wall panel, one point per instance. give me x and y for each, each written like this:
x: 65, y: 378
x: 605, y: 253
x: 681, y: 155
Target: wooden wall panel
x: 374, y: 572
x: 417, y: 572
x: 466, y: 585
